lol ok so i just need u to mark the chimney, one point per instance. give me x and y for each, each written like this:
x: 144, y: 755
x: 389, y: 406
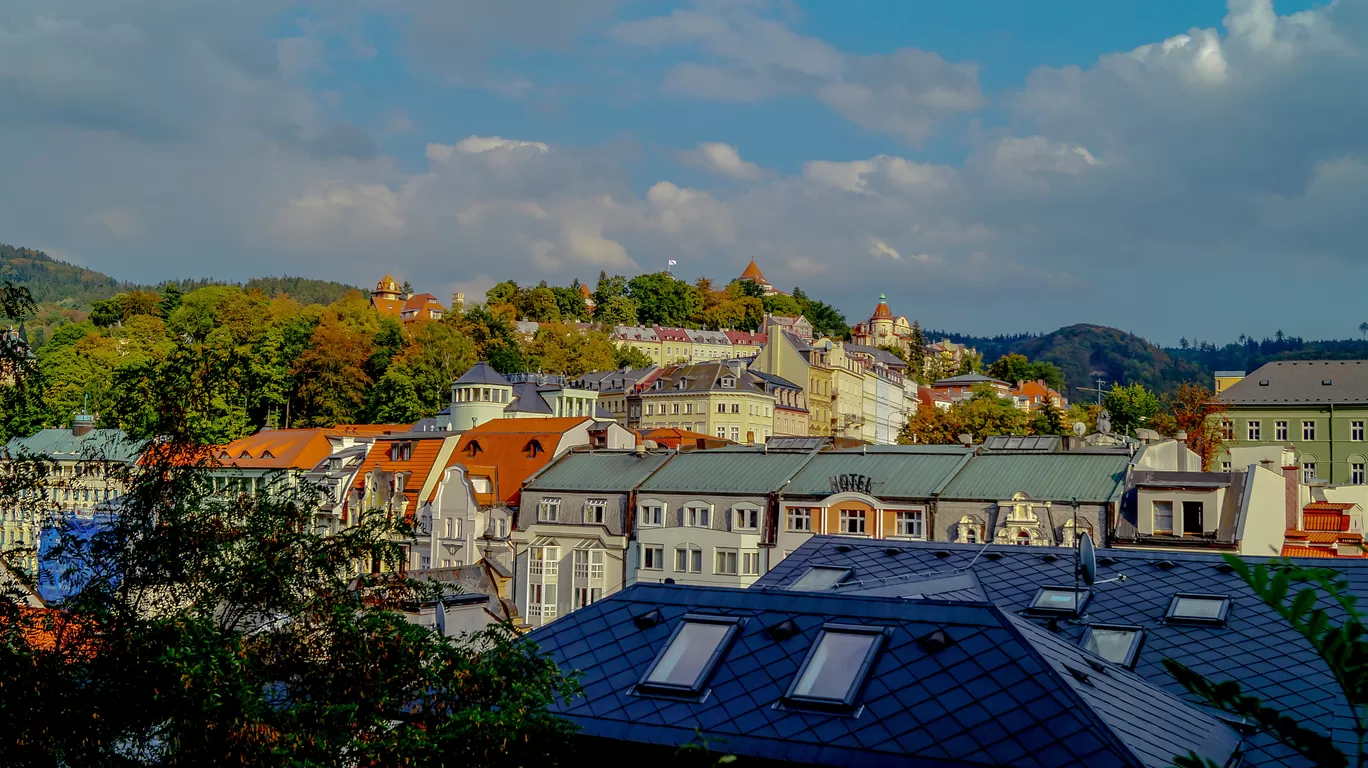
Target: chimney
x: 1290, y: 479
x: 640, y: 446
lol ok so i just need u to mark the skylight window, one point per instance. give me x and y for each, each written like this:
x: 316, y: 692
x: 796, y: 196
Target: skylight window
x: 836, y: 666
x: 1115, y: 643
x: 820, y: 577
x: 1198, y: 609
x: 1060, y: 600
x: 683, y: 666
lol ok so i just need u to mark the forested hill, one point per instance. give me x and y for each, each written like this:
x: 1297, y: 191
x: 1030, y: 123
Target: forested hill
x: 1088, y: 352
x: 56, y: 282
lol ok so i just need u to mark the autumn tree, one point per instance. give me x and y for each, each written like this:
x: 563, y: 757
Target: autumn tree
x: 566, y: 350
x: 627, y: 356
x: 332, y: 375
x: 1195, y: 410
x: 983, y: 415
x: 539, y: 305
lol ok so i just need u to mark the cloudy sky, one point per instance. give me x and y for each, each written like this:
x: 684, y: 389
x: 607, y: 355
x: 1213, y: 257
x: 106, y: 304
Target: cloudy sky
x: 1169, y: 167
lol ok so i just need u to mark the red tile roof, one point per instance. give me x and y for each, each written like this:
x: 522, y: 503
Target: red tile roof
x: 673, y: 437
x: 748, y: 338
x: 1328, y: 506
x: 671, y: 334
x: 388, y: 307
x: 1324, y: 521
x: 276, y: 449
x: 1289, y: 550
x: 505, y: 453
x: 418, y: 466
x: 752, y: 272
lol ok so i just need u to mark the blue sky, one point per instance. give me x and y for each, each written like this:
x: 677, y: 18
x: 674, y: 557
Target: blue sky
x: 1171, y: 168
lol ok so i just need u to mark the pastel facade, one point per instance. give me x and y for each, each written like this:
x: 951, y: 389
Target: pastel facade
x: 483, y: 394
x: 722, y: 399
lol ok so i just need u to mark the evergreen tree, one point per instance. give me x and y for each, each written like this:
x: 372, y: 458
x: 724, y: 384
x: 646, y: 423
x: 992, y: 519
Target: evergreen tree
x: 916, y: 352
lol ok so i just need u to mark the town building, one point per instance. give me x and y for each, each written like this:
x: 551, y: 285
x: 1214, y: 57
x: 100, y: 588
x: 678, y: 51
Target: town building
x: 397, y: 478
x: 723, y: 398
x: 83, y: 469
x: 1317, y: 407
x: 571, y: 538
x: 882, y: 329
x: 752, y: 274
x: 1326, y: 529
x: 389, y: 299
x: 1191, y: 607
x: 797, y: 676
x: 1033, y: 395
x: 482, y: 394
x: 615, y: 387
x: 889, y: 396
x: 708, y: 345
x: 794, y: 324
x: 746, y: 343
x: 964, y: 386
x: 680, y: 439
x: 1225, y: 379
x: 791, y: 415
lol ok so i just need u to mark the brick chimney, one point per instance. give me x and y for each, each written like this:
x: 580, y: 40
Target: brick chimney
x: 1291, y: 477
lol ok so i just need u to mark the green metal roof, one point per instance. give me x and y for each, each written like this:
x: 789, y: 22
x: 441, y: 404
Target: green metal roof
x: 725, y: 471
x: 895, y: 471
x: 61, y: 444
x: 1046, y: 477
x: 597, y: 471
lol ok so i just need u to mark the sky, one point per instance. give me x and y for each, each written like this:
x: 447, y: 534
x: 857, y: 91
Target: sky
x: 1175, y: 168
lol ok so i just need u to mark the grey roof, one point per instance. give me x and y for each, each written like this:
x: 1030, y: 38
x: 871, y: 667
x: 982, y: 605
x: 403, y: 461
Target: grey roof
x: 706, y: 377
x: 1089, y: 477
x: 882, y: 355
x: 483, y: 373
x: 794, y: 443
x: 527, y: 398
x: 897, y: 472
x: 745, y: 471
x: 63, y: 444
x: 998, y: 692
x: 968, y: 378
x: 1227, y: 374
x: 1255, y: 646
x: 1301, y: 381
x: 777, y: 381
x: 707, y: 337
x: 603, y: 471
x: 797, y: 341
x: 635, y: 333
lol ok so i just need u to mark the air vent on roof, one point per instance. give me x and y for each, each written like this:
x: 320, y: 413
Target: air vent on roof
x: 842, y: 547
x: 1106, y: 561
x: 1049, y: 558
x: 1225, y: 567
x: 934, y: 642
x: 892, y: 551
x: 1166, y: 564
x: 994, y: 555
x: 1325, y: 382
x: 1097, y: 665
x: 941, y: 553
x: 783, y: 630
x: 1263, y: 382
x: 1078, y: 674
x: 647, y: 620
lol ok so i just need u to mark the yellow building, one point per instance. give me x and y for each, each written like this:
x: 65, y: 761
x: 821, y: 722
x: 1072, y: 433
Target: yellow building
x: 718, y: 398
x: 1226, y: 379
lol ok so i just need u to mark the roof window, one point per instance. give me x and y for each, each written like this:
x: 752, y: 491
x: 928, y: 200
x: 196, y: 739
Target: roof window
x: 820, y: 577
x: 684, y: 664
x: 1067, y: 601
x: 1325, y: 382
x: 836, y: 666
x: 1198, y: 609
x: 1115, y: 643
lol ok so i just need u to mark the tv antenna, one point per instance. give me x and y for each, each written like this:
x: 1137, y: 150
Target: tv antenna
x: 1098, y: 389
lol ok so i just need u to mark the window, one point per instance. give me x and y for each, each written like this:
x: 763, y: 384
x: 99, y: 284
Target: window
x: 820, y: 577
x: 652, y: 558
x: 1225, y: 466
x: 1227, y: 429
x: 1192, y: 518
x: 721, y: 407
x: 587, y: 595
x: 650, y: 409
x: 1356, y: 473
x: 595, y: 510
x: 836, y: 666
x: 750, y: 563
x: 674, y: 408
x: 736, y: 434
x: 548, y: 510
x: 698, y: 517
x: 736, y: 408
x: 688, y: 658
x: 908, y: 523
x: 689, y: 559
x: 1117, y: 644
x: 1279, y: 430
x: 726, y: 563
x: 1308, y: 471
x: 1356, y: 431
x: 1198, y: 609
x: 652, y: 514
x: 728, y: 382
x: 1163, y: 517
x: 1308, y: 430
x: 852, y: 521
x: 1060, y: 600
x: 799, y: 519
x: 1254, y: 428
x: 746, y: 519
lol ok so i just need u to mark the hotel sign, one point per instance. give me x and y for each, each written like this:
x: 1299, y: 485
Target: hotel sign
x: 852, y: 483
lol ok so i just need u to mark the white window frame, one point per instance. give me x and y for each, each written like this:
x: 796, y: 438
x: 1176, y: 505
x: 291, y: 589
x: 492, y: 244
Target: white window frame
x: 1280, y: 430
x: 1308, y: 431
x: 794, y: 515
x: 910, y: 523
x: 1356, y: 473
x: 750, y: 563
x: 652, y: 557
x: 745, y: 518
x: 848, y: 517
x: 1254, y: 429
x: 599, y: 508
x: 651, y: 514
x: 1356, y: 431
x: 1308, y: 471
x: 697, y: 516
x: 726, y: 562
x: 1154, y: 516
x: 548, y: 509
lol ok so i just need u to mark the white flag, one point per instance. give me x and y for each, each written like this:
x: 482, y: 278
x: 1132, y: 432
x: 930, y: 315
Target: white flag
x: 672, y: 263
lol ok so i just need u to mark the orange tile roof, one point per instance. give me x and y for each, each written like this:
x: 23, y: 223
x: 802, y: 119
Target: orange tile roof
x: 673, y: 437
x: 752, y: 272
x: 1034, y: 389
x: 419, y: 465
x: 276, y: 449
x: 504, y: 456
x: 1328, y: 506
x: 1291, y: 551
x: 1324, y: 521
x: 390, y: 307
x: 364, y: 430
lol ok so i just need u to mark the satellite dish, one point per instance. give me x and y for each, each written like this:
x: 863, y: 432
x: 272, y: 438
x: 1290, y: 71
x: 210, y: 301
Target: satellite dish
x: 1079, y: 428
x: 1087, y: 560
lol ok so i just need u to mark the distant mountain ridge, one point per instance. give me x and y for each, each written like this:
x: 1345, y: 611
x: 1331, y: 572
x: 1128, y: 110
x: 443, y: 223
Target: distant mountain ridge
x: 54, y: 281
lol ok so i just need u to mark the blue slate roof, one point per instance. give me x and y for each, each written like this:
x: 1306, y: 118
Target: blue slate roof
x: 1002, y: 692
x: 1255, y: 646
x: 483, y: 373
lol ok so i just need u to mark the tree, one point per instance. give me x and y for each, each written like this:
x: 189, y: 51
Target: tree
x: 627, y: 356
x: 565, y: 350
x: 663, y: 300
x: 214, y: 629
x: 22, y: 410
x: 970, y: 362
x: 916, y: 352
x: 1298, y: 594
x: 983, y: 415
x: 782, y: 306
x: 1048, y: 420
x: 607, y: 289
x: 570, y: 303
x: 1363, y: 330
x: 539, y: 306
x: 332, y: 375
x: 618, y: 310
x: 1131, y: 407
x: 170, y: 300
x: 1195, y: 410
x: 1016, y: 368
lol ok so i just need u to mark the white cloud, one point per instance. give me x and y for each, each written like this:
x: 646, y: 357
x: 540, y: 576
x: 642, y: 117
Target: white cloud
x: 723, y: 159
x: 880, y: 249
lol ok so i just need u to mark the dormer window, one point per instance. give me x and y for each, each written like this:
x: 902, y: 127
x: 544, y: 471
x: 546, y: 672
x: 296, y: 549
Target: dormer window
x: 728, y: 382
x: 836, y: 667
x: 683, y: 666
x: 1115, y: 643
x: 267, y: 455
x: 1198, y: 609
x: 473, y: 447
x: 1064, y: 601
x: 533, y: 448
x: 820, y: 577
x: 243, y: 455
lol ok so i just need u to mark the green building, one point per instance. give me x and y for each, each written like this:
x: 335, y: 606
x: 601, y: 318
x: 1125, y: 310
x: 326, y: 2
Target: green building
x: 1319, y: 407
